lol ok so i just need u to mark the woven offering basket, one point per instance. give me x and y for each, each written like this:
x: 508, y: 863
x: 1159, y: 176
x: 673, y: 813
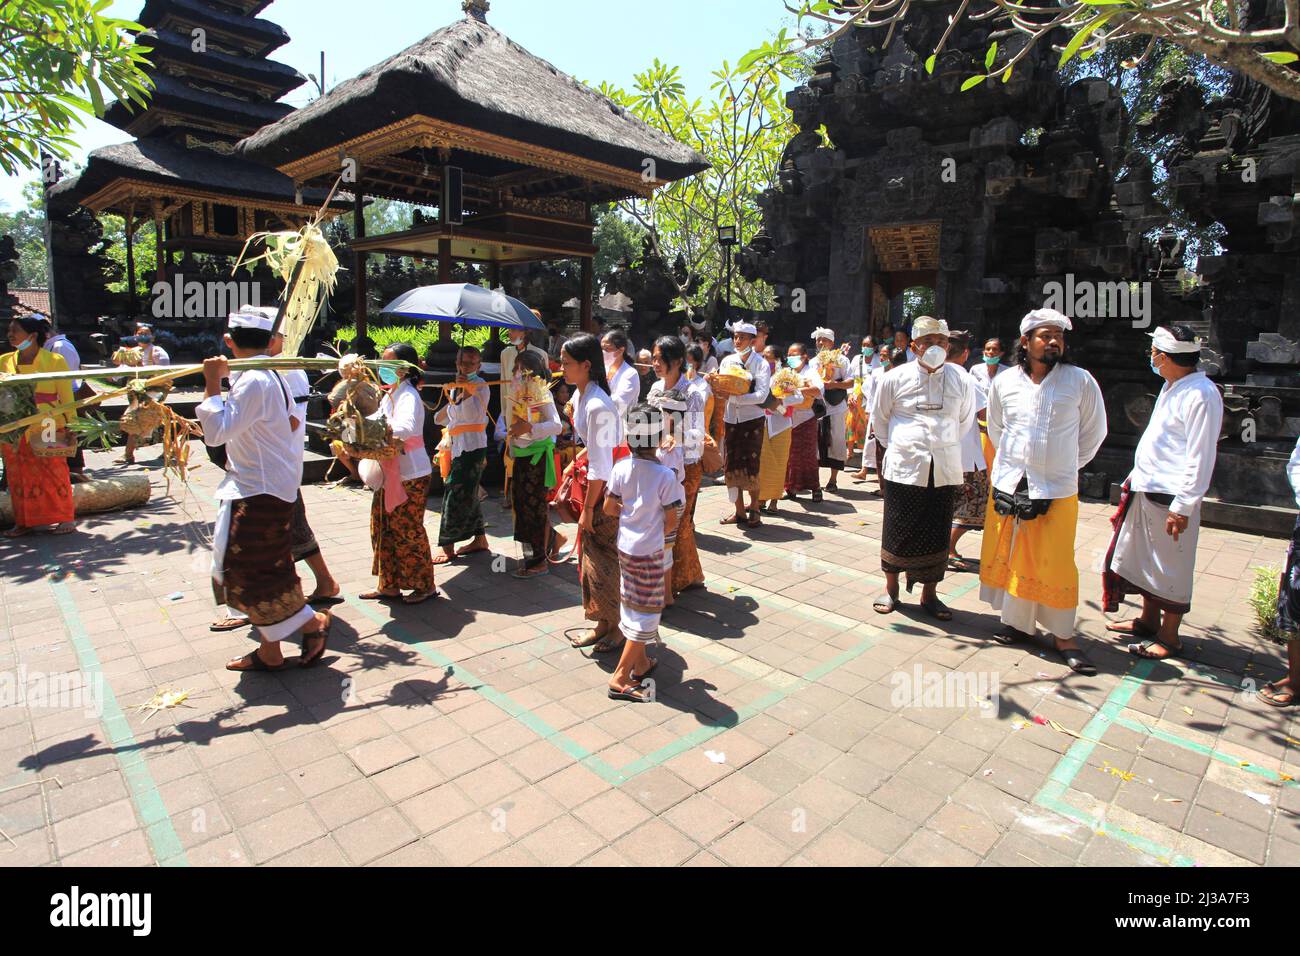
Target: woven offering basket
x: 64, y: 449
x: 372, y: 454
x: 727, y: 384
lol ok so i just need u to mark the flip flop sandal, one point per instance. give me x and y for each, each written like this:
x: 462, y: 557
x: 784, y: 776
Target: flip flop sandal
x: 817, y: 496
x: 629, y: 694
x: 606, y: 646
x: 730, y: 519
x: 324, y: 635
x: 888, y: 602
x: 229, y: 624
x: 1138, y: 629
x: 754, y: 521
x: 420, y: 597
x: 379, y: 596
x: 60, y: 529
x: 958, y: 564
x: 589, y: 641
x: 327, y: 601
x: 791, y: 496
x: 536, y: 572
x: 1269, y: 694
x: 442, y: 558
x: 937, y: 610
x: 17, y: 532
x: 253, y: 662
x: 648, y: 671
x: 1143, y: 650
x: 1077, y: 661
x: 466, y: 552
x: 1009, y: 635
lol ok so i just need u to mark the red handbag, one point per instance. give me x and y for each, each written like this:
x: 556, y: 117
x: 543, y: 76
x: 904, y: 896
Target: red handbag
x: 569, y: 495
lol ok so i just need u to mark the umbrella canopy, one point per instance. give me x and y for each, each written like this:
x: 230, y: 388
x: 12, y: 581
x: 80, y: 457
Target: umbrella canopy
x: 464, y: 304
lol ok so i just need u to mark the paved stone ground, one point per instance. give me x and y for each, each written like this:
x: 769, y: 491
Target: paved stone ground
x: 466, y: 731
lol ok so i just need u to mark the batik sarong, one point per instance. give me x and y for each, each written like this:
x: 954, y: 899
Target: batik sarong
x: 802, y: 473
x: 744, y: 444
x: 402, y: 560
x: 917, y: 527
x: 462, y: 512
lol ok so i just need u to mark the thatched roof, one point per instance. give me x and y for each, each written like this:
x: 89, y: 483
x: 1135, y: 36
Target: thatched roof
x: 171, y: 94
x: 164, y: 163
x: 474, y: 76
x: 266, y: 34
x: 168, y: 45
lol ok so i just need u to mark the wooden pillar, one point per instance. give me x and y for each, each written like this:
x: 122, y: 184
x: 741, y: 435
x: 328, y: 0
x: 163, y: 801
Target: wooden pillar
x: 130, y: 262
x: 160, y: 273
x: 584, y: 300
x: 444, y: 276
x: 359, y: 262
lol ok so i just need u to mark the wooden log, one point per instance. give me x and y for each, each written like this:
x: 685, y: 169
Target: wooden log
x: 91, y: 497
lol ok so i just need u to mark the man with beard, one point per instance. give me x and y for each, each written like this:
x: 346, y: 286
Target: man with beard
x: 1047, y: 419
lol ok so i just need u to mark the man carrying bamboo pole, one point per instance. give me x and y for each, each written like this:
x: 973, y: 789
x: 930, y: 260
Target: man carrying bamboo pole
x: 252, y: 560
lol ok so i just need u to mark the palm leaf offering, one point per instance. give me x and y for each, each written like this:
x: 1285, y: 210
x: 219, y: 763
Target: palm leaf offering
x: 362, y: 436
x: 306, y: 263
x: 17, y: 402
x: 92, y: 430
x: 786, y: 382
x: 828, y: 361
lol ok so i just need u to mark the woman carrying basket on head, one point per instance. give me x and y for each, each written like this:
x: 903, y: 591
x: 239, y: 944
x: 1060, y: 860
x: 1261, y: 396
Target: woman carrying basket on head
x: 533, y: 425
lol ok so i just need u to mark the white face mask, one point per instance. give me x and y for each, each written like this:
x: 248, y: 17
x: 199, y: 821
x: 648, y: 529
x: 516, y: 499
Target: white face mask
x: 934, y: 357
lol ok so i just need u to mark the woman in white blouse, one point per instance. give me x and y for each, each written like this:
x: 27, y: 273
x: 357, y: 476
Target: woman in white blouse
x: 402, y: 559
x: 620, y: 373
x: 532, y: 447
x: 687, y: 409
x: 598, y: 424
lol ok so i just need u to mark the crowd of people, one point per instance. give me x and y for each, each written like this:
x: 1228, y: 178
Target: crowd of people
x: 996, y: 447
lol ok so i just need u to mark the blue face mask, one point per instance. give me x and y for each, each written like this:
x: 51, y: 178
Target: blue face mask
x: 24, y: 346
x: 793, y: 361
x: 867, y: 353
x: 145, y: 339
x: 1154, y: 369
x: 388, y: 376
x: 992, y: 359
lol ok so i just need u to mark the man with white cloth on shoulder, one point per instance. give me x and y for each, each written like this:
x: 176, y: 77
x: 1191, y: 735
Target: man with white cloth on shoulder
x: 1153, y: 550
x: 1047, y: 418
x: 921, y: 411
x: 252, y: 560
x: 837, y: 378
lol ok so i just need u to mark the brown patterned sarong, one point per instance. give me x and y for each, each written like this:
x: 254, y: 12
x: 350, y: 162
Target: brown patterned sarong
x: 303, y: 544
x: 258, y: 577
x: 972, y: 499
x: 916, y: 531
x: 401, y: 545
x: 744, y: 451
x: 803, y: 472
x: 462, y: 512
x: 687, y: 570
x: 598, y: 568
x: 528, y: 499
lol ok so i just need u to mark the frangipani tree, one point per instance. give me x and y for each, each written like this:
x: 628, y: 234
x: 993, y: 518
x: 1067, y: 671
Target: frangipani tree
x: 1263, y: 51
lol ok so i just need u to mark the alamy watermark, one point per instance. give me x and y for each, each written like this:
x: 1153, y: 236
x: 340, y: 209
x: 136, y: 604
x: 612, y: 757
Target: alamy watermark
x: 979, y: 690
x: 68, y: 691
x: 1085, y: 299
x: 194, y: 299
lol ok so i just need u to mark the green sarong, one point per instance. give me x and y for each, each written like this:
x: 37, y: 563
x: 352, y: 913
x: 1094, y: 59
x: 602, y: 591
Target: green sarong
x: 462, y: 513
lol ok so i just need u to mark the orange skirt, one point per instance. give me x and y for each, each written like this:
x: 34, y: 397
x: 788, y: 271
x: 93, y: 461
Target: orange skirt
x: 40, y: 488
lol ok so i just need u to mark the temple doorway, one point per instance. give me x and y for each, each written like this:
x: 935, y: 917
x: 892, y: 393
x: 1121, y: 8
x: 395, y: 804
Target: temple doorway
x: 905, y: 260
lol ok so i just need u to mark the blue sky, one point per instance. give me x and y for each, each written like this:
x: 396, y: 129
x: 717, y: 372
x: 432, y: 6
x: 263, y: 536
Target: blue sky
x: 593, y: 40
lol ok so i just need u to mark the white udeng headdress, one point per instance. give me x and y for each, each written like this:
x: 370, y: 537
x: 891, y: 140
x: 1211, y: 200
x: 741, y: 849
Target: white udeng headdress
x: 823, y: 334
x: 1041, y: 317
x: 1164, y: 340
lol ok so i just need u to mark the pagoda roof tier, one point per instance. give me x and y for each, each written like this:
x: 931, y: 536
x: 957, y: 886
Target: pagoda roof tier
x: 178, y: 104
x: 117, y: 176
x: 510, y: 120
x: 247, y: 8
x: 266, y: 79
x: 230, y: 31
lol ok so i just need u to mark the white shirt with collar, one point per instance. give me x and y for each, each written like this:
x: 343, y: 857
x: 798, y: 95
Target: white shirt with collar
x: 263, y: 453
x: 914, y: 437
x: 1176, y: 453
x: 599, y: 426
x: 59, y: 344
x: 402, y: 407
x: 972, y: 452
x: 625, y: 387
x: 747, y: 407
x: 1045, y: 432
x: 299, y: 388
x: 471, y: 408
x: 810, y: 379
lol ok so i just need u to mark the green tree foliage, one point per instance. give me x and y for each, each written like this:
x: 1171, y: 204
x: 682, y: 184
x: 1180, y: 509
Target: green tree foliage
x: 61, y: 59
x: 616, y: 237
x: 144, y: 252
x: 742, y: 130
x: 27, y: 226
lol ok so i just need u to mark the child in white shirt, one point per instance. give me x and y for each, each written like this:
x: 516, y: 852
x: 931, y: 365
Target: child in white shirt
x: 647, y: 498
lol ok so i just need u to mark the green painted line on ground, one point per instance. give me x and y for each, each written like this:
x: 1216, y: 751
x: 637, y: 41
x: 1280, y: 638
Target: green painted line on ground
x: 1205, y: 750
x: 167, y: 848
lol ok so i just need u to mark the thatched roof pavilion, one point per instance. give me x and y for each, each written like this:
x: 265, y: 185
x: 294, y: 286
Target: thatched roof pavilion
x: 533, y: 147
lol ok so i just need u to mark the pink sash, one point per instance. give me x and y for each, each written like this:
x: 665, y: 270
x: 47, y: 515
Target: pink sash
x: 394, y: 492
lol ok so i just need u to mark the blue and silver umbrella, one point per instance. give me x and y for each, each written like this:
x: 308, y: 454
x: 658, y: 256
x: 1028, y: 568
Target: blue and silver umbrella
x: 465, y: 305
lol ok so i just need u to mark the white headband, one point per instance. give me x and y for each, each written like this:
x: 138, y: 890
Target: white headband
x: 253, y: 317
x: 744, y: 328
x: 1164, y: 340
x: 823, y: 334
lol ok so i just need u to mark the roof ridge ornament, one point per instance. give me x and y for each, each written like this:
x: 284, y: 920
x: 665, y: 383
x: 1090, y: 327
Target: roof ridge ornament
x: 476, y: 9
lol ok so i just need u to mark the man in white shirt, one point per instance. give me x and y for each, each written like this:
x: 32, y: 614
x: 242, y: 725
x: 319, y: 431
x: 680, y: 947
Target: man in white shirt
x: 921, y: 410
x: 973, y: 498
x: 1046, y: 418
x: 832, y: 442
x: 1281, y: 693
x: 744, y: 424
x: 252, y: 561
x: 1153, y: 550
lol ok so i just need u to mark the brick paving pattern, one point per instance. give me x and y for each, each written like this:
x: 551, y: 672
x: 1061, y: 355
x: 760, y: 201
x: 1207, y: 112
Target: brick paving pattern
x: 466, y: 731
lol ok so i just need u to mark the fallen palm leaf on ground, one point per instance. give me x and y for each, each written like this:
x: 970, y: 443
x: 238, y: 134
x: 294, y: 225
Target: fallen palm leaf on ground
x: 164, y: 699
